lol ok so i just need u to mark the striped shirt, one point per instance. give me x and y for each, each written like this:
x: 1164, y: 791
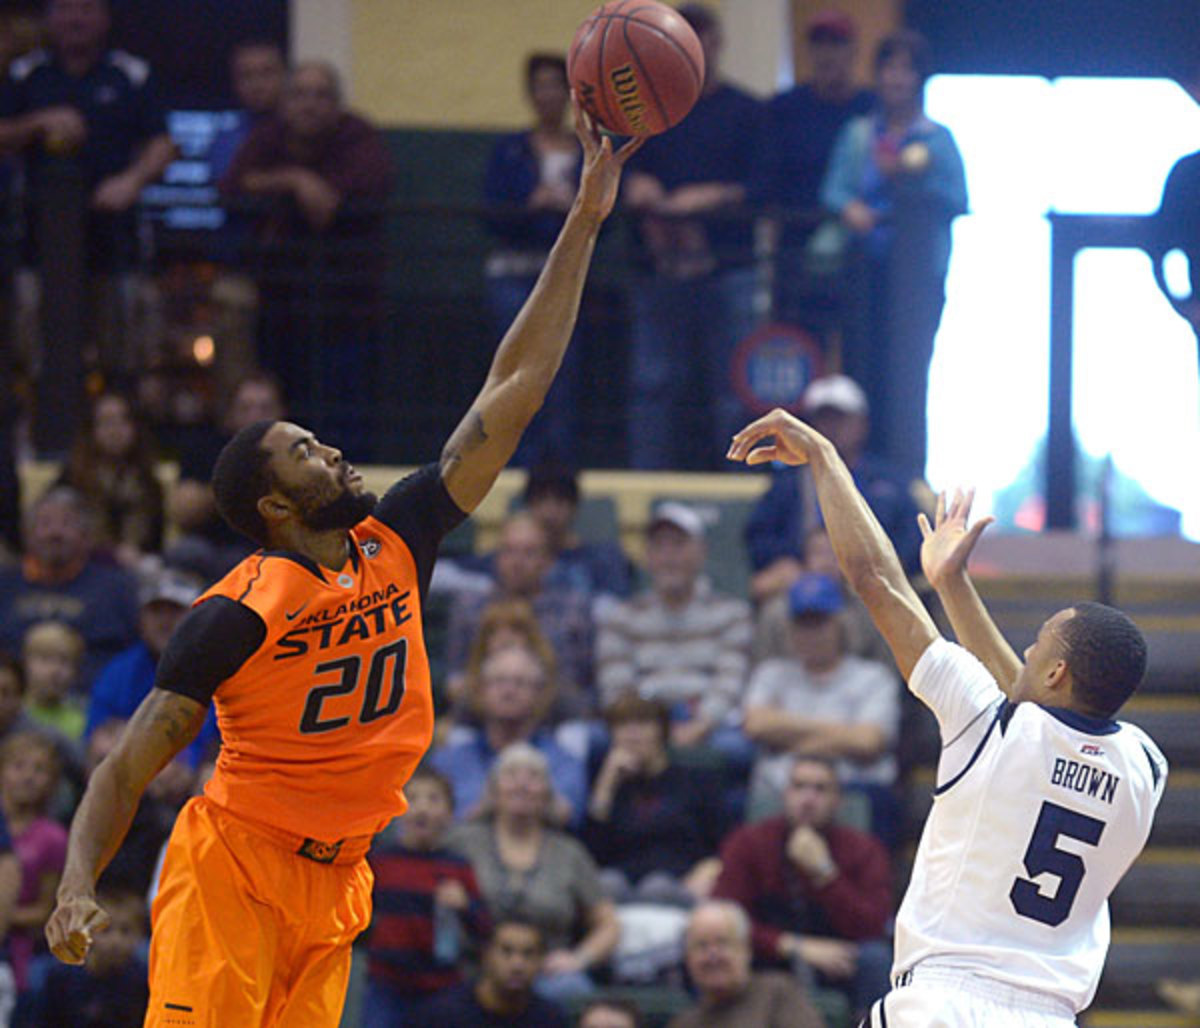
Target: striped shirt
x: 697, y: 655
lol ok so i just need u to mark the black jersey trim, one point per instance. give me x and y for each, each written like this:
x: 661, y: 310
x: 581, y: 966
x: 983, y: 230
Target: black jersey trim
x: 1155, y: 770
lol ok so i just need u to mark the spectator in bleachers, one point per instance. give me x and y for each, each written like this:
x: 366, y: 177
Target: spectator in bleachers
x: 694, y: 299
x: 804, y: 122
x: 600, y: 569
x: 529, y: 869
x: 609, y: 1012
x: 502, y: 624
x: 29, y: 777
x: 52, y: 653
x: 521, y: 566
x: 503, y: 996
x: 60, y: 577
x: 652, y: 825
x: 511, y: 698
x: 323, y: 176
x: 1177, y: 222
x: 772, y: 628
x: 257, y: 72
x: 730, y: 994
x: 819, y: 893
x: 113, y: 463
x: 165, y: 597
x: 428, y: 913
x: 207, y: 545
x: 13, y: 716
x: 528, y: 185
x: 10, y: 887
x: 110, y: 988
x: 787, y: 512
x: 896, y: 183
x: 96, y: 110
x: 679, y: 641
x: 821, y: 699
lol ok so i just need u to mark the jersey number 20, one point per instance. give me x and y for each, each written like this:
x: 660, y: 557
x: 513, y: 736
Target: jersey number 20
x: 380, y: 698
x: 1043, y: 856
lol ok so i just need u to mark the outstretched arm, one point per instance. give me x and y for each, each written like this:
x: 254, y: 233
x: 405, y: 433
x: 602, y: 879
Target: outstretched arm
x: 863, y: 550
x: 531, y: 351
x: 162, y: 726
x: 944, y: 552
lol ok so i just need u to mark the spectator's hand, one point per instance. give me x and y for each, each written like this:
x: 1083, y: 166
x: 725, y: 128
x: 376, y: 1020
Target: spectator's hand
x: 858, y: 217
x: 71, y: 926
x: 701, y: 879
x: 618, y: 765
x: 601, y: 176
x: 116, y: 193
x: 63, y: 129
x: 690, y: 733
x: 946, y: 547
x: 561, y: 961
x: 832, y: 957
x: 450, y: 893
x: 808, y: 850
x: 317, y: 199
x: 795, y: 442
x: 551, y: 196
x: 1183, y: 996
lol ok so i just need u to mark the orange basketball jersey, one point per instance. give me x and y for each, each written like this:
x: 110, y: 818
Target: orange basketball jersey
x: 324, y: 723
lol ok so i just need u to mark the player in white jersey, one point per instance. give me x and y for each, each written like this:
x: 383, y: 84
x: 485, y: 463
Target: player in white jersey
x: 1043, y: 800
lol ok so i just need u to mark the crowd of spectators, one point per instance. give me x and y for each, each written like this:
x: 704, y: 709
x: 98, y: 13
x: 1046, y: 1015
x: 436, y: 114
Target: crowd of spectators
x: 636, y: 778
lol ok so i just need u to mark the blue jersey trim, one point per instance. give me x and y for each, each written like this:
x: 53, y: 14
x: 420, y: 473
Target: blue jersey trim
x: 1003, y: 713
x: 1083, y: 723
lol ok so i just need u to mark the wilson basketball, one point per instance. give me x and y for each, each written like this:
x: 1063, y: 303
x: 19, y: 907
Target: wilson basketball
x: 637, y: 66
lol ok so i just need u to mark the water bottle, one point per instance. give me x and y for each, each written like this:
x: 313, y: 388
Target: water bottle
x: 447, y: 932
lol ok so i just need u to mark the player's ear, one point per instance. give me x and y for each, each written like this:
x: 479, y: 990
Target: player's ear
x: 273, y: 508
x: 1058, y: 678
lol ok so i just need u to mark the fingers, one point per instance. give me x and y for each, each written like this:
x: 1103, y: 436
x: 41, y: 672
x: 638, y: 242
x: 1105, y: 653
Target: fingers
x: 585, y: 126
x: 70, y: 936
x: 763, y: 454
x: 923, y: 525
x: 939, y: 512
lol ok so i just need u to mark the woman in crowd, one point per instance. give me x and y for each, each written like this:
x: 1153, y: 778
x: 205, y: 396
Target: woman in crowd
x: 528, y: 868
x: 112, y: 462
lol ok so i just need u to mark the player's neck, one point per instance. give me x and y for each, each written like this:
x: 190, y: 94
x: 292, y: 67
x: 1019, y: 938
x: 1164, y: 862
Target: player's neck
x: 329, y: 549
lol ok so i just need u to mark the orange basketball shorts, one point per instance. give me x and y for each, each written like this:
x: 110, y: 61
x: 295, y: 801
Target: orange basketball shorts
x: 246, y: 931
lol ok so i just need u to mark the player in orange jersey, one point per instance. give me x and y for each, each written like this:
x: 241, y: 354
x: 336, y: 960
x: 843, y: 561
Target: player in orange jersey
x: 312, y: 650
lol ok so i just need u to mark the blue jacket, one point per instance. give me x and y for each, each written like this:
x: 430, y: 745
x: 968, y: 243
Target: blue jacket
x: 776, y: 526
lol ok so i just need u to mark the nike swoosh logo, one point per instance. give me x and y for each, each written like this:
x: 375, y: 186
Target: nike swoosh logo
x: 296, y: 613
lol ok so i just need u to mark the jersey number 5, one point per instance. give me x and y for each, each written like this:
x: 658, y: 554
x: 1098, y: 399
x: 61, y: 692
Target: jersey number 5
x: 374, y: 704
x: 1044, y: 857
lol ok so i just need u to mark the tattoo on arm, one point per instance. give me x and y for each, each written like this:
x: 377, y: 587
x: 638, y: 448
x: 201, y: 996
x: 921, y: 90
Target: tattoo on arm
x: 469, y: 436
x: 171, y: 721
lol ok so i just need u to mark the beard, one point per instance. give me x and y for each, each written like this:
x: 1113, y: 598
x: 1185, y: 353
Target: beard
x: 341, y: 513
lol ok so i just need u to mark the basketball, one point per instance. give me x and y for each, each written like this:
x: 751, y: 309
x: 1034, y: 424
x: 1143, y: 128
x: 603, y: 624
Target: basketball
x: 637, y: 66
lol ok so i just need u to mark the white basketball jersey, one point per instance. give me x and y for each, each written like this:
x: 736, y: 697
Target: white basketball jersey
x: 1038, y: 813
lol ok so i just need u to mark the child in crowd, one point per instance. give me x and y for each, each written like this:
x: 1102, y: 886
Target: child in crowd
x: 29, y: 776
x: 53, y: 656
x: 427, y: 906
x: 110, y: 988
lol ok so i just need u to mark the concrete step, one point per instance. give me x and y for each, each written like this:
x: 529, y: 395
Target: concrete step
x: 1162, y: 888
x: 1139, y: 958
x: 1171, y: 721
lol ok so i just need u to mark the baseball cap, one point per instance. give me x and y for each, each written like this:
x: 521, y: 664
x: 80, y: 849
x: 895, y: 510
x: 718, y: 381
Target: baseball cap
x: 831, y: 25
x: 840, y: 392
x: 679, y: 515
x: 814, y: 594
x: 170, y: 586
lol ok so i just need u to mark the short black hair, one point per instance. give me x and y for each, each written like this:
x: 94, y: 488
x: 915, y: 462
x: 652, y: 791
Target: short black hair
x: 520, y: 921
x: 1106, y: 653
x: 910, y: 43
x: 551, y: 479
x: 536, y: 62
x: 618, y: 1003
x: 241, y: 477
